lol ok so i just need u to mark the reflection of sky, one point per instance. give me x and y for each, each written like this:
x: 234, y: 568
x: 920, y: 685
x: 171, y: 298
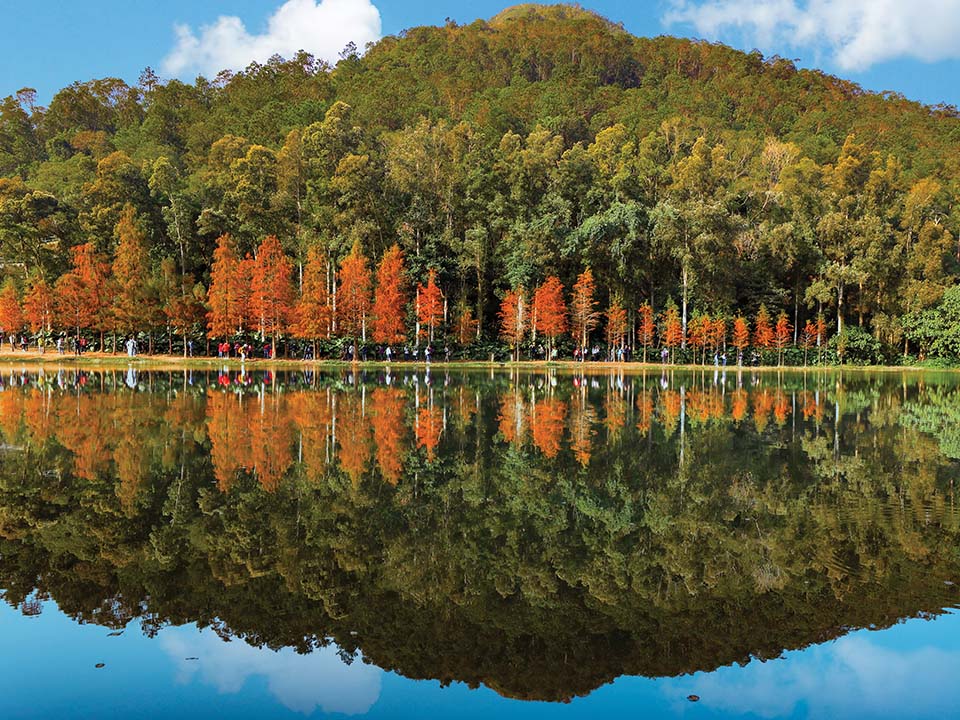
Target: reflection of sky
x: 47, y: 669
x: 301, y: 683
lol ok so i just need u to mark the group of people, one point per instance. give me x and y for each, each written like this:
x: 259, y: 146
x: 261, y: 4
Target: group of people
x: 242, y: 350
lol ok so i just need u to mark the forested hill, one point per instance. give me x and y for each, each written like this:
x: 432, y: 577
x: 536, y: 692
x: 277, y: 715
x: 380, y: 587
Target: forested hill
x: 540, y: 143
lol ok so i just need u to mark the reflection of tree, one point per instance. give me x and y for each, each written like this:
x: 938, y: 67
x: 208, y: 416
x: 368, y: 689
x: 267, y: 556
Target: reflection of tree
x: 389, y: 425
x: 496, y: 563
x: 353, y: 434
x: 546, y: 422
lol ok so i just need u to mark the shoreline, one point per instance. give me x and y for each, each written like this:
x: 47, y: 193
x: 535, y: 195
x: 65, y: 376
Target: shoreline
x: 175, y: 362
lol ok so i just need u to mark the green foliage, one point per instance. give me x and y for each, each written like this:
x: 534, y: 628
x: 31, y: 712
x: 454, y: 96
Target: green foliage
x: 540, y: 143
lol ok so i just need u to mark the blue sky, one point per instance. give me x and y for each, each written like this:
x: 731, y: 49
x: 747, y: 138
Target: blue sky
x: 904, y: 47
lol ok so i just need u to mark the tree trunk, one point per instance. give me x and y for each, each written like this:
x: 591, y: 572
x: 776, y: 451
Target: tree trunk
x: 683, y: 341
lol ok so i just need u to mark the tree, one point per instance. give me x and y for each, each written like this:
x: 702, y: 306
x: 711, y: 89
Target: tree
x: 781, y: 335
x: 313, y: 313
x: 133, y: 306
x: 466, y: 326
x: 353, y: 296
x: 616, y: 325
x: 271, y: 296
x: 184, y: 308
x: 390, y: 299
x: 808, y: 338
x: 11, y: 315
x: 647, y: 329
x: 226, y: 298
x: 513, y: 320
x: 583, y: 310
x: 429, y: 306
x: 672, y: 324
x: 550, y: 311
x: 82, y: 294
x: 763, y: 334
x: 38, y: 306
x: 741, y: 336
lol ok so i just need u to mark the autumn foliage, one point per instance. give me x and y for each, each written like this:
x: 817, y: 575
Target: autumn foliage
x: 390, y: 299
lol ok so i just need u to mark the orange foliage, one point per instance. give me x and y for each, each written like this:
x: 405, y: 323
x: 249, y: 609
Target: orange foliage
x: 389, y: 429
x: 429, y: 306
x: 616, y: 325
x: 271, y: 289
x: 647, y: 329
x: 38, y: 306
x: 226, y: 297
x: 583, y: 308
x: 353, y: 295
x: 762, y: 332
x: 353, y: 435
x: 312, y: 315
x: 512, y: 420
x: 11, y: 316
x: 429, y: 427
x: 550, y: 309
x: 390, y: 299
x: 513, y: 319
x: 546, y: 422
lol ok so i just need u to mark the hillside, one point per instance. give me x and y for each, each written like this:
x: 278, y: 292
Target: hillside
x: 543, y: 142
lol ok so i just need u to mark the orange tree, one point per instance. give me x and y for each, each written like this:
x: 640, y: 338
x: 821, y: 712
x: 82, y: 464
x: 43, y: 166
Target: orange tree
x: 390, y: 298
x: 353, y: 296
x: 513, y: 321
x: 11, y: 315
x: 38, y: 307
x: 762, y: 331
x: 429, y: 306
x: 226, y: 298
x: 312, y: 315
x: 741, y: 335
x: 583, y: 310
x: 646, y: 331
x: 673, y: 336
x: 271, y: 291
x: 782, y: 333
x: 616, y: 324
x: 133, y: 305
x: 550, y: 311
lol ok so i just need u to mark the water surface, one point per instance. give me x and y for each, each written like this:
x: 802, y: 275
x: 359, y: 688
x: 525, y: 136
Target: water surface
x: 392, y: 544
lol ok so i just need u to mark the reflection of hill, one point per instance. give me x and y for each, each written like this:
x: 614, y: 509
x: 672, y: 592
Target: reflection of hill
x: 476, y: 533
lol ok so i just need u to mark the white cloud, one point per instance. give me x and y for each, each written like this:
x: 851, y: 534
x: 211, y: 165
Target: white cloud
x: 301, y: 683
x: 854, y: 33
x: 321, y: 27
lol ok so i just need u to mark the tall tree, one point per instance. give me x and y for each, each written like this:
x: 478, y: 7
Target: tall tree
x: 11, y: 314
x: 646, y: 329
x: 430, y: 306
x: 353, y: 296
x: 133, y: 304
x: 616, y: 325
x: 226, y: 296
x: 390, y: 299
x: 313, y: 311
x: 583, y: 310
x: 38, y: 307
x: 741, y: 336
x: 513, y: 320
x: 550, y: 311
x: 763, y: 334
x: 271, y: 296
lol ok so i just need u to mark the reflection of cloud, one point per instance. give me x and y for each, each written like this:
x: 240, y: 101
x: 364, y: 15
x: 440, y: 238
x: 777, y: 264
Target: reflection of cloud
x: 301, y: 683
x: 851, y: 677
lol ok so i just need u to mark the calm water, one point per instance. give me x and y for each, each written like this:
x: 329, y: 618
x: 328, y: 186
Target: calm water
x: 410, y: 545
